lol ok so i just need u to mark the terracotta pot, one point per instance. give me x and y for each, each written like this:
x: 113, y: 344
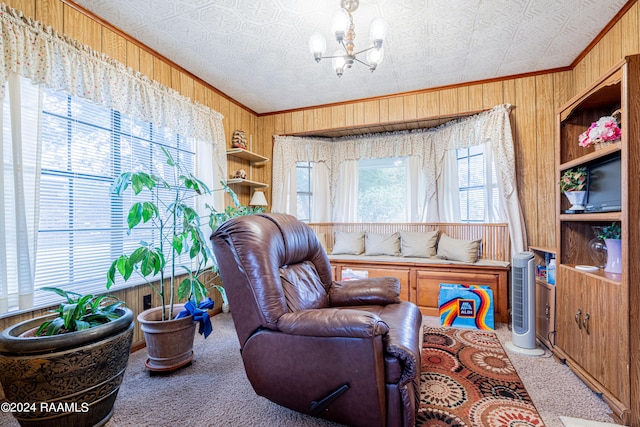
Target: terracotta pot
x: 169, y: 342
x: 67, y: 380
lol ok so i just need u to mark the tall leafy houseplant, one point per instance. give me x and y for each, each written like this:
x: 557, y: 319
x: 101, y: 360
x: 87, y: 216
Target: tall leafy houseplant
x: 180, y: 247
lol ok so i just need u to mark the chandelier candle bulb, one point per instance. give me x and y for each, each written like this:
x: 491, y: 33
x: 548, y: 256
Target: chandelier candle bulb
x: 378, y: 31
x: 340, y: 25
x: 317, y: 45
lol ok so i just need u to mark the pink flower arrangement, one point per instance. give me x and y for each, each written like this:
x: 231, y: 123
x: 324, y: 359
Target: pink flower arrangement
x: 605, y: 129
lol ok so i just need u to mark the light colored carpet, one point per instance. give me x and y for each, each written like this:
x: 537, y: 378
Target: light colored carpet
x: 214, y: 390
x: 576, y: 422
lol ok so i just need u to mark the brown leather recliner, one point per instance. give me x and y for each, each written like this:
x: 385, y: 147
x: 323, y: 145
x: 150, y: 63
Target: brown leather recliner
x: 345, y: 351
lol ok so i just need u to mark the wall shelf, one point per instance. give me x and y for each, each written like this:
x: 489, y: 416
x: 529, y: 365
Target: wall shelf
x: 254, y: 158
x: 247, y: 183
x: 592, y: 217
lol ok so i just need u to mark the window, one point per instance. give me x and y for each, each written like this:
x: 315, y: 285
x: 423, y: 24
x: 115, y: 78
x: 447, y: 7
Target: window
x: 382, y: 187
x: 476, y: 196
x: 304, y: 193
x: 82, y: 225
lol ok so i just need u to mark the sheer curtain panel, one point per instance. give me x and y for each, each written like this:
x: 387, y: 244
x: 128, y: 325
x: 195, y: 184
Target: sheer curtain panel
x: 20, y: 151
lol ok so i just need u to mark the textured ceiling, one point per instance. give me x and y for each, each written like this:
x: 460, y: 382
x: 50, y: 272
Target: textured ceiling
x: 256, y: 51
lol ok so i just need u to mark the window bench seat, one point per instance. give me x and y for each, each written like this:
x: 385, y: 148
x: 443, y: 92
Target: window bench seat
x: 420, y: 278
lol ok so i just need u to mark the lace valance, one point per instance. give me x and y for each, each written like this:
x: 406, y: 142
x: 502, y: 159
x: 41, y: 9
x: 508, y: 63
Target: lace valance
x: 39, y: 53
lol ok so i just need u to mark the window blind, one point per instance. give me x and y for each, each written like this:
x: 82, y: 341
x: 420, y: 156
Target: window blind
x: 82, y: 225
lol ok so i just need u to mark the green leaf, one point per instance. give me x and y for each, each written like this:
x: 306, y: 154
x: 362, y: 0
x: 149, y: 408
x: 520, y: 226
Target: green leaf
x: 138, y: 255
x: 149, y: 210
x: 195, y: 250
x: 135, y: 215
x: 177, y: 243
x: 137, y: 183
x: 121, y: 183
x: 152, y: 263
x: 111, y: 308
x: 81, y: 325
x: 111, y: 274
x: 70, y: 296
x: 189, y: 214
x: 125, y: 268
x: 55, y: 326
x: 170, y: 160
x: 67, y: 315
x: 43, y: 328
x: 184, y: 289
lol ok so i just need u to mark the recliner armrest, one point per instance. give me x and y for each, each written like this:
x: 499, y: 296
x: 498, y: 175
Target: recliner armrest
x: 375, y: 291
x: 332, y: 322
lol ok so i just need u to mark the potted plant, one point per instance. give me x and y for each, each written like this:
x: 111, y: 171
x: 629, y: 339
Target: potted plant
x: 612, y: 234
x: 66, y: 368
x: 178, y: 266
x: 573, y: 183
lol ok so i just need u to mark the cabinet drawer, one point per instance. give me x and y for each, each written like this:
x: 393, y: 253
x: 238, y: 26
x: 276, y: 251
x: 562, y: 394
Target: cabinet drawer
x: 428, y: 287
x: 401, y: 273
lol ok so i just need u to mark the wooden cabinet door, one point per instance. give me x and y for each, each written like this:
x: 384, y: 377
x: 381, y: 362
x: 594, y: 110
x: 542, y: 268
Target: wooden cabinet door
x: 570, y: 313
x: 605, y: 351
x: 591, y: 328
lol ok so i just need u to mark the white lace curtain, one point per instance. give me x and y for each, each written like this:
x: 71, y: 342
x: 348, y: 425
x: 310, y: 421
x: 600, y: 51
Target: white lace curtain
x: 38, y: 53
x: 491, y: 128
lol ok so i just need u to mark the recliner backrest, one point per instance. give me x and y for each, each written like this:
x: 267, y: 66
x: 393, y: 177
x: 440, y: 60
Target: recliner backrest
x: 258, y: 251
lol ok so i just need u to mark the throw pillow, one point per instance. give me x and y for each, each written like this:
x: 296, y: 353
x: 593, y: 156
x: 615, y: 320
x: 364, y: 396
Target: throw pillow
x: 382, y: 244
x: 348, y: 243
x: 418, y: 244
x: 458, y: 250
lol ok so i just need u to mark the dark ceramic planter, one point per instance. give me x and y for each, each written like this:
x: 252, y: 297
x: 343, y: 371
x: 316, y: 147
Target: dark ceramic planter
x: 169, y: 342
x: 68, y: 380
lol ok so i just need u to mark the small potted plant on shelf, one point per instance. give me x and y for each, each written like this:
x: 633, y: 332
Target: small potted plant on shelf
x: 573, y: 183
x: 66, y: 368
x: 612, y: 235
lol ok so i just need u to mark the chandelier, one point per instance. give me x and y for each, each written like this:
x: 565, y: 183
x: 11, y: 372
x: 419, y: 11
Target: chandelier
x: 344, y: 31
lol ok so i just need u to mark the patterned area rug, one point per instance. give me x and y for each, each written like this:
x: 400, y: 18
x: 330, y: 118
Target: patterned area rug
x: 468, y: 381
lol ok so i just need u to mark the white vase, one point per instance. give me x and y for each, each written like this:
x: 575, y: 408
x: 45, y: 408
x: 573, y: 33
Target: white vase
x: 577, y: 199
x: 614, y: 256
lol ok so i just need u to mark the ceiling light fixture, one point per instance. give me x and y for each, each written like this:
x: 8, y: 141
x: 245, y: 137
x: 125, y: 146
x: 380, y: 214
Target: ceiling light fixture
x: 344, y: 31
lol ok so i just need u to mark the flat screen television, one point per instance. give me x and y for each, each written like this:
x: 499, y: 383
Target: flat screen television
x: 604, y: 184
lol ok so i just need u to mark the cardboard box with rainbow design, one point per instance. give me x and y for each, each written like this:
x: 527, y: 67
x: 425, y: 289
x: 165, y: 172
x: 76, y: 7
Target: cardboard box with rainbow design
x: 466, y: 306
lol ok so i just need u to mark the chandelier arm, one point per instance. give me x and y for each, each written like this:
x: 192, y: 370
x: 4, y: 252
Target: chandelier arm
x: 333, y: 56
x: 362, y: 62
x: 364, y: 50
